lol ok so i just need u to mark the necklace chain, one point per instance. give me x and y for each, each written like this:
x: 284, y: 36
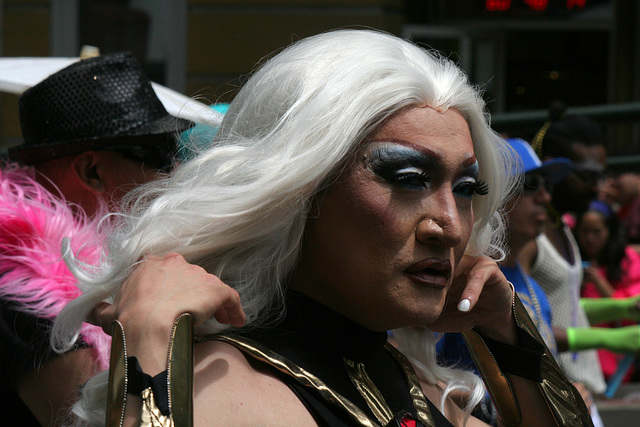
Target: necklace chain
x: 534, y: 298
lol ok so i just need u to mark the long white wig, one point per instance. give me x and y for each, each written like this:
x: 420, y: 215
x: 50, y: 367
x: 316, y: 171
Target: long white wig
x: 239, y: 208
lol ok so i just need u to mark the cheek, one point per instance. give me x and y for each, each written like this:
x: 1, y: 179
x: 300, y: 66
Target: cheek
x: 467, y: 220
x: 126, y: 175
x: 602, y: 238
x: 380, y: 219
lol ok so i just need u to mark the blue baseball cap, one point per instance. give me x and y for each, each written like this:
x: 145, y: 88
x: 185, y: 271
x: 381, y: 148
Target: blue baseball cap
x: 554, y: 170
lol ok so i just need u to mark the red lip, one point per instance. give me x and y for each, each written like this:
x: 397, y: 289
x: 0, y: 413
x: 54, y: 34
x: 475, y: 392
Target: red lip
x: 432, y: 272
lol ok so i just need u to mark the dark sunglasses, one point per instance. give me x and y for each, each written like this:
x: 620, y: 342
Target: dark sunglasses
x: 534, y: 182
x: 153, y: 156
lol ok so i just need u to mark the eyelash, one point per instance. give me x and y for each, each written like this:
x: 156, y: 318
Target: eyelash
x: 408, y: 179
x: 478, y: 187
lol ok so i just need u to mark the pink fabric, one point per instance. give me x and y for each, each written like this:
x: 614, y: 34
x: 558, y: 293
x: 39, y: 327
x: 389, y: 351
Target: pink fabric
x: 33, y: 275
x: 628, y: 285
x: 609, y: 362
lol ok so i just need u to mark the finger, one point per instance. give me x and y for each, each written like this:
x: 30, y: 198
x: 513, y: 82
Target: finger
x: 476, y: 273
x: 231, y: 311
x: 226, y: 317
x: 103, y: 316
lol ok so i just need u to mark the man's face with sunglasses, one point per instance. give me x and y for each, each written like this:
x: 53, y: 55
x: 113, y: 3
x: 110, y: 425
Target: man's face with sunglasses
x: 122, y: 174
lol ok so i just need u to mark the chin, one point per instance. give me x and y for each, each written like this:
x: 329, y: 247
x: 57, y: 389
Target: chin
x: 421, y: 318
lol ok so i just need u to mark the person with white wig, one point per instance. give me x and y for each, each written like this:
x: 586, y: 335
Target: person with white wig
x: 352, y: 193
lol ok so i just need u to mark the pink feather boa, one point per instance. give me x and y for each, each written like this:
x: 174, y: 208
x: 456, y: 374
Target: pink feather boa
x: 33, y: 275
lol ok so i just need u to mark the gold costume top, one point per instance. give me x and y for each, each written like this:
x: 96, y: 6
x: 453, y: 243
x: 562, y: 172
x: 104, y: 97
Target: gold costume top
x: 346, y: 375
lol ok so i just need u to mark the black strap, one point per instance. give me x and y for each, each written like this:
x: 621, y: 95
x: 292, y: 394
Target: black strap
x: 523, y: 360
x: 138, y: 381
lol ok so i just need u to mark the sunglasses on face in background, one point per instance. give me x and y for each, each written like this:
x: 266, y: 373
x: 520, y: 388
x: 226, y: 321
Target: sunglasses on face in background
x: 152, y: 156
x: 534, y: 182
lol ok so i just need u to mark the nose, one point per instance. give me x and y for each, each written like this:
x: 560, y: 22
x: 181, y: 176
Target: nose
x: 440, y: 221
x: 542, y: 196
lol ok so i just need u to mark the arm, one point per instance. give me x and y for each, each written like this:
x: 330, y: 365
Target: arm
x: 604, y: 288
x: 602, y: 310
x: 156, y: 294
x: 159, y: 291
x: 552, y: 393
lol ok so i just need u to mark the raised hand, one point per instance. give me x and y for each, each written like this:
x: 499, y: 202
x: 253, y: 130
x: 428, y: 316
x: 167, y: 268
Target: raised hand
x: 158, y: 291
x: 481, y: 297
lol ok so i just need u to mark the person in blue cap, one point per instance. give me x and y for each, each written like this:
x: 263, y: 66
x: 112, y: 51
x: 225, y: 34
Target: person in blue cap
x: 526, y: 218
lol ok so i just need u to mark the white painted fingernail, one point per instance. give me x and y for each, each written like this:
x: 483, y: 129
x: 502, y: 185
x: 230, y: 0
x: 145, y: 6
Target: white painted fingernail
x: 464, y: 305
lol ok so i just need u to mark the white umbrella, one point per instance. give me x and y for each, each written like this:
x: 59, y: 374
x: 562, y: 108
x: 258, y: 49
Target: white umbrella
x: 19, y: 74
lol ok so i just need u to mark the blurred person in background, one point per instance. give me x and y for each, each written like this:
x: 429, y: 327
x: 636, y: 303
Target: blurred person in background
x: 92, y: 132
x: 626, y: 194
x: 581, y: 140
x: 611, y: 267
x: 611, y: 273
x: 553, y: 257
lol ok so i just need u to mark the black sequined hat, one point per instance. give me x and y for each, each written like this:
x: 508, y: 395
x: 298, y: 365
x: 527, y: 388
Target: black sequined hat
x: 106, y: 102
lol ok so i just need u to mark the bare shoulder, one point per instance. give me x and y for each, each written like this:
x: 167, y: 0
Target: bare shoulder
x: 229, y: 388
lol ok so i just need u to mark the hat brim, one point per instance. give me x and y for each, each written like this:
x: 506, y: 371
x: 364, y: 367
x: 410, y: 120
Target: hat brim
x: 555, y: 170
x: 18, y: 74
x: 162, y: 132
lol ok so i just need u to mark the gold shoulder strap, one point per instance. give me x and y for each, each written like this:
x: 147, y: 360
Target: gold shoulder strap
x: 282, y: 364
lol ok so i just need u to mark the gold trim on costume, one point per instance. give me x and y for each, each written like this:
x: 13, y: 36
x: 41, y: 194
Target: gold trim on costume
x: 284, y: 365
x: 265, y: 355
x: 368, y: 390
x: 179, y: 380
x: 415, y: 389
x: 150, y: 415
x: 180, y: 371
x: 563, y: 399
x: 117, y: 389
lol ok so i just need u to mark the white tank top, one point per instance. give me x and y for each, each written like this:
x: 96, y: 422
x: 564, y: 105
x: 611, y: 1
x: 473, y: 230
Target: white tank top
x: 561, y: 282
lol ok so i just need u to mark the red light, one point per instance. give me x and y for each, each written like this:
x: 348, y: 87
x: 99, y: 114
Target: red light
x: 497, y: 5
x: 538, y: 5
x: 576, y: 3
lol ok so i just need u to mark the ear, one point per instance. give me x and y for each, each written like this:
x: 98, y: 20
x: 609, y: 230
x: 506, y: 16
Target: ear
x: 85, y: 166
